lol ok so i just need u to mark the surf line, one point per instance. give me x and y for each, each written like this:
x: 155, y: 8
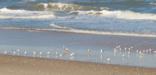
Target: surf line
x: 71, y: 30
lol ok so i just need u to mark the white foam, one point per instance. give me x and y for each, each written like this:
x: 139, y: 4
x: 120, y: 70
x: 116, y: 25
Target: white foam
x: 87, y: 32
x: 154, y: 4
x: 58, y: 27
x: 103, y: 33
x: 121, y: 14
x: 6, y: 13
x: 60, y: 6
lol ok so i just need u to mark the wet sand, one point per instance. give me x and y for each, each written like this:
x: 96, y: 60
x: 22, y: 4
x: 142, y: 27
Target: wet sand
x: 14, y: 65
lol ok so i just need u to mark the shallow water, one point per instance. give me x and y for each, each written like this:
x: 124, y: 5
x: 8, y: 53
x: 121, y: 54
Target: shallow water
x: 139, y: 51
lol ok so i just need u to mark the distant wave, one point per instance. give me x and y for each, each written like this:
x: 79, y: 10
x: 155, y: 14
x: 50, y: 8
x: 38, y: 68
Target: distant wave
x: 91, y: 10
x: 72, y: 30
x: 121, y: 14
x: 62, y: 6
x: 6, y: 13
x: 153, y: 4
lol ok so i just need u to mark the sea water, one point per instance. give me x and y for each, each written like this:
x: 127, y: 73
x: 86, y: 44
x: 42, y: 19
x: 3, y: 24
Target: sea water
x: 47, y: 27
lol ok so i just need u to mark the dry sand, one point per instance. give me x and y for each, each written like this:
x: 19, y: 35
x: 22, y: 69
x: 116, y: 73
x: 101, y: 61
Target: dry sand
x: 14, y: 65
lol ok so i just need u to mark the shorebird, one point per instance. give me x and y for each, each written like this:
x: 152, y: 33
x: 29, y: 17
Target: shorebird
x: 125, y: 49
x: 150, y: 50
x: 40, y: 53
x: 18, y: 50
x: 60, y: 55
x: 48, y: 52
x: 25, y: 52
x: 154, y: 52
x: 88, y: 52
x: 118, y: 46
x: 14, y: 52
x: 137, y: 51
x: 48, y: 55
x: 129, y: 52
x: 66, y: 51
x: 56, y: 53
x: 141, y: 54
x: 108, y: 60
x: 123, y: 55
x: 72, y: 54
x: 129, y: 49
x: 34, y: 53
x: 114, y: 51
x: 101, y: 51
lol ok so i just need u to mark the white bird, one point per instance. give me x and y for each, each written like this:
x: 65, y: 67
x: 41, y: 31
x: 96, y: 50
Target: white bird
x: 118, y: 46
x: 56, y: 53
x: 150, y: 50
x: 137, y: 51
x: 72, y: 54
x: 14, y: 52
x: 129, y: 52
x: 66, y: 51
x: 140, y: 52
x: 18, y: 50
x: 123, y: 55
x: 125, y: 49
x: 101, y: 51
x: 88, y: 52
x: 25, y: 52
x: 60, y: 55
x: 48, y: 52
x: 34, y: 53
x: 108, y: 59
x: 40, y: 53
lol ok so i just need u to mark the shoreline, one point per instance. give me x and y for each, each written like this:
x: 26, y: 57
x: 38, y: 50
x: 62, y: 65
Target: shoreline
x: 18, y: 65
x: 87, y: 32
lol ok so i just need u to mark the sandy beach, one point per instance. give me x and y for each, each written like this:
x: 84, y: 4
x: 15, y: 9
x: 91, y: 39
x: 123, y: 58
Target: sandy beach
x: 14, y: 65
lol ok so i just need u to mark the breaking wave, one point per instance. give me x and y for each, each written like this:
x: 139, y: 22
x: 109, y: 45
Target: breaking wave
x: 6, y: 13
x: 98, y: 11
x: 62, y: 6
x: 80, y: 9
x: 121, y: 14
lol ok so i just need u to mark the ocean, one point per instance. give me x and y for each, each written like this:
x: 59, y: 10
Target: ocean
x: 102, y: 31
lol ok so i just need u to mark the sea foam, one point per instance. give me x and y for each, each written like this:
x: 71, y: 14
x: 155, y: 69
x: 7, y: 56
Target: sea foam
x: 63, y: 6
x: 6, y: 13
x: 130, y: 15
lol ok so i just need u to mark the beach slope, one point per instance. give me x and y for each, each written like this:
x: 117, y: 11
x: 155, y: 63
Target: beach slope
x: 14, y: 65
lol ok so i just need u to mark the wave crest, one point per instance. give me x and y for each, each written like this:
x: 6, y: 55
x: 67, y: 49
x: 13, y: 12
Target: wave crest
x: 63, y: 6
x: 121, y: 14
x: 6, y: 13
